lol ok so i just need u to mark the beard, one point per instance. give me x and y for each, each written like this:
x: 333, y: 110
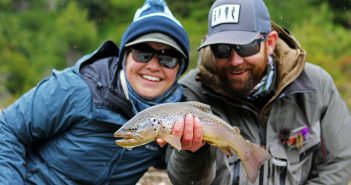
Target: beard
x: 241, y: 87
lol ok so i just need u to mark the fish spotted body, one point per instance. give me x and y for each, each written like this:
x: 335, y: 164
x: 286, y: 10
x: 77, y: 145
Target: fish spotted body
x: 157, y: 122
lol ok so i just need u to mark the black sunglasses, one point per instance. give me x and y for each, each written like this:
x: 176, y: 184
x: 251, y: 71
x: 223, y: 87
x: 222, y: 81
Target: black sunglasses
x: 168, y: 58
x: 225, y: 50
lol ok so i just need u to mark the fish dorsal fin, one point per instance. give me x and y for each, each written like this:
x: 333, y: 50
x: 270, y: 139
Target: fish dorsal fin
x: 201, y: 106
x: 173, y: 141
x: 235, y: 130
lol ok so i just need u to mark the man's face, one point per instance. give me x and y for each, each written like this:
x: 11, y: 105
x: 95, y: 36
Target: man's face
x: 241, y: 74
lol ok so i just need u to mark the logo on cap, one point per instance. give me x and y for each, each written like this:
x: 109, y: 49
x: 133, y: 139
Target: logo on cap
x: 227, y: 13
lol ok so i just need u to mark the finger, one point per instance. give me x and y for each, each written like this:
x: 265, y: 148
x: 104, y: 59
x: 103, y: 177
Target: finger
x: 188, y: 134
x: 178, y: 128
x: 198, y: 135
x: 160, y: 142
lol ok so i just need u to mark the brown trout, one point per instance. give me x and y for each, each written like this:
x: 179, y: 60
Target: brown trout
x: 158, y: 121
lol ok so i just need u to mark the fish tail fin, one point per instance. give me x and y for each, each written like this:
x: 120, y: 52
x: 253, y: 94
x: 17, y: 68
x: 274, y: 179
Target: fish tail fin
x: 253, y: 160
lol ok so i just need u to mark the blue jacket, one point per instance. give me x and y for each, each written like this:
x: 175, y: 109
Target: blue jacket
x: 61, y: 131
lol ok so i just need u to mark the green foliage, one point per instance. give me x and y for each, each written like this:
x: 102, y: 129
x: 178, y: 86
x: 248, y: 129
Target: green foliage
x: 13, y: 55
x: 4, y: 4
x: 34, y: 41
x: 37, y: 36
x: 73, y: 28
x: 196, y: 31
x: 325, y: 42
x: 289, y: 13
x: 191, y: 9
x: 342, y: 9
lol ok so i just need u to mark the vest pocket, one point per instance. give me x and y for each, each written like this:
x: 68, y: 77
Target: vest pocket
x: 291, y: 166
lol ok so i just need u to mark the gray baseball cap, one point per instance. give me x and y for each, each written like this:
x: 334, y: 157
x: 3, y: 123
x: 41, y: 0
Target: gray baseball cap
x: 157, y: 37
x: 236, y: 22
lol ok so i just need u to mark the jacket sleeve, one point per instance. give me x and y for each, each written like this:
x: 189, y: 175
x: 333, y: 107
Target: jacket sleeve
x: 185, y: 167
x: 35, y: 117
x: 333, y: 161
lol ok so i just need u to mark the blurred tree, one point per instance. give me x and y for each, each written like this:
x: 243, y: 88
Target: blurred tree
x: 14, y: 67
x: 289, y: 13
x: 40, y: 35
x: 75, y: 32
x: 40, y: 39
x: 341, y: 11
x: 191, y: 9
x: 5, y: 4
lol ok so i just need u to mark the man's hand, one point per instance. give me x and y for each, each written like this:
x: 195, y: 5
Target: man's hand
x: 190, y: 132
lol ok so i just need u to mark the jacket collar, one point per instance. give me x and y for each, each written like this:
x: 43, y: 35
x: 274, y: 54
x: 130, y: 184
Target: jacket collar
x: 107, y: 49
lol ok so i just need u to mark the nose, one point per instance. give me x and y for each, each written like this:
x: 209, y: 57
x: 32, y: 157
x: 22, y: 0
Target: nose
x: 236, y: 59
x: 154, y: 63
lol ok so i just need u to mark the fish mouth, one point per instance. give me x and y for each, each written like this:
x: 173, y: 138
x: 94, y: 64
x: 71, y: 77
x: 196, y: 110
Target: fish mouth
x: 127, y: 140
x: 123, y: 135
x: 127, y: 143
x: 120, y: 133
x: 124, y: 138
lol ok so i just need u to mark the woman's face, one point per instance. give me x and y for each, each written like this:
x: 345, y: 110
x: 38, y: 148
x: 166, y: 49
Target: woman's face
x: 150, y: 79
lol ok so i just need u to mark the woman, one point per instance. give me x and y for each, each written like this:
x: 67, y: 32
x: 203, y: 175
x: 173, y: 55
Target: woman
x: 61, y: 131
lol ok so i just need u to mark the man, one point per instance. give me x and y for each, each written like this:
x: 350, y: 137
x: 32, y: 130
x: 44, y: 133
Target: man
x: 254, y: 75
x: 61, y: 131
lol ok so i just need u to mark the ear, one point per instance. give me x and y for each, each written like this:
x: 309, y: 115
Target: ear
x: 271, y: 42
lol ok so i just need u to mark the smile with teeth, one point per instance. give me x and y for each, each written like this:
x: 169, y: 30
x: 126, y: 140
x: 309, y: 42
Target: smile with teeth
x: 151, y: 78
x: 237, y: 72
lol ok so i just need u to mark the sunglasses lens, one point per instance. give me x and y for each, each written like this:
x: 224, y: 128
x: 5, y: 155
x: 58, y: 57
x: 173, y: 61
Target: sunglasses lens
x: 141, y: 56
x: 248, y: 49
x: 221, y: 50
x: 167, y: 61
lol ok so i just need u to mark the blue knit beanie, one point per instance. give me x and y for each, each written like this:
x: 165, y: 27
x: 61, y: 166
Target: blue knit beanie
x: 155, y: 17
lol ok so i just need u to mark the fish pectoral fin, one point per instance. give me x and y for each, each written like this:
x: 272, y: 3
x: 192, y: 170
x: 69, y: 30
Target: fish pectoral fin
x: 173, y: 141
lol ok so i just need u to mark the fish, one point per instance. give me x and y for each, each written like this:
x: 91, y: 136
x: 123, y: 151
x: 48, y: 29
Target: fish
x: 157, y: 122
